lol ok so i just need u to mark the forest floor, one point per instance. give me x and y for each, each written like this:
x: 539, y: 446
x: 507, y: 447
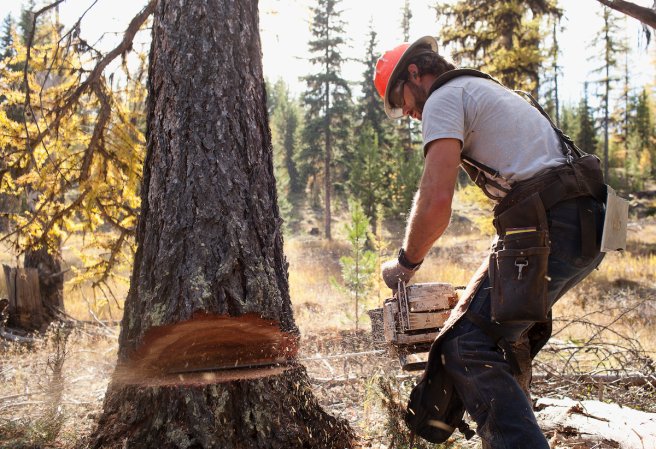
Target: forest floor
x: 52, y: 389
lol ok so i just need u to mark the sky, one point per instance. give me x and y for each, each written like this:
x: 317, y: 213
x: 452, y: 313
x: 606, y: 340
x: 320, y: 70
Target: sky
x: 285, y: 31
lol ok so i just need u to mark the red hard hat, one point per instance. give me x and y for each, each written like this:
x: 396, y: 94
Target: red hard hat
x: 390, y: 65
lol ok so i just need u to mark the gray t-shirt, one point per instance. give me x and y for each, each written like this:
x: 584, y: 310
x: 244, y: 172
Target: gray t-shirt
x: 496, y: 127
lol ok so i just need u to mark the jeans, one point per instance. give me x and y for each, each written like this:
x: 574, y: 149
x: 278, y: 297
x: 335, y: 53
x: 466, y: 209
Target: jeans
x: 492, y: 396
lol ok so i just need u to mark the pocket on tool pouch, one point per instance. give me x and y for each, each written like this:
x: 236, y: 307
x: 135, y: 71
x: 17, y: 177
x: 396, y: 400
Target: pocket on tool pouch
x: 518, y: 273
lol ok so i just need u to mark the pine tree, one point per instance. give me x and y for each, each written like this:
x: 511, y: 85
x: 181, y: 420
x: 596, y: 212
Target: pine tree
x: 500, y: 37
x: 367, y: 180
x: 610, y: 47
x: 570, y: 120
x: 586, y: 136
x: 7, y: 39
x: 643, y: 123
x: 210, y: 271
x: 642, y: 140
x: 404, y: 174
x: 408, y: 132
x: 385, y: 167
x: 404, y: 164
x: 284, y: 113
x: 327, y: 100
x: 25, y: 23
x: 359, y: 265
x: 621, y: 120
x: 370, y: 109
x: 550, y: 85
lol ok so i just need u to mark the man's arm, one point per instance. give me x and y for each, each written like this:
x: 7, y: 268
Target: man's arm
x: 431, y: 209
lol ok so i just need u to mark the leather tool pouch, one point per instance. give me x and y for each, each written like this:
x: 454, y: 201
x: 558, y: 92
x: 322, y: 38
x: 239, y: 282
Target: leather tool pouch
x: 518, y: 264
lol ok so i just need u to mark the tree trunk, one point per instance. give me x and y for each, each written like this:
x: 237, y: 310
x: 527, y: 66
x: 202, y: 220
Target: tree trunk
x: 327, y: 181
x: 51, y: 282
x: 208, y: 340
x: 8, y: 204
x: 555, y: 69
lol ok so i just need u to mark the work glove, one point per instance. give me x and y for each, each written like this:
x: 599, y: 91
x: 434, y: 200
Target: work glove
x: 394, y: 271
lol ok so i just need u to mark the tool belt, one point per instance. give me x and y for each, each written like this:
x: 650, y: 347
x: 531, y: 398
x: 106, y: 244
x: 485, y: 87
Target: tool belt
x: 520, y: 257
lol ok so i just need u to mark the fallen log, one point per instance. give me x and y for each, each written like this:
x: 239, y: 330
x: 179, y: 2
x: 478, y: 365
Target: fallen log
x: 5, y: 334
x: 588, y: 423
x: 627, y: 380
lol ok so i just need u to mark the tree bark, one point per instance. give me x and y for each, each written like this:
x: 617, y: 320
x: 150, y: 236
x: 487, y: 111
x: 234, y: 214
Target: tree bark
x: 25, y: 310
x: 208, y: 340
x: 8, y: 204
x: 275, y: 412
x: 51, y: 282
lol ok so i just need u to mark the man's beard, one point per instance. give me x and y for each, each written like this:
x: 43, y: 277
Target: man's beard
x: 420, y: 96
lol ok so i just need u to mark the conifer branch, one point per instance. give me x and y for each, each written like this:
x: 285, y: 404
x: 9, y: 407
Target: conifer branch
x: 642, y: 13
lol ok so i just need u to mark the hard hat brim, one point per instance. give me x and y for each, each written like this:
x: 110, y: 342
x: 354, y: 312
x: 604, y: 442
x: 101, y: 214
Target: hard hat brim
x: 421, y: 43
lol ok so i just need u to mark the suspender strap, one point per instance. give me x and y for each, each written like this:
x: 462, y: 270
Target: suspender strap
x: 477, y: 173
x: 448, y: 76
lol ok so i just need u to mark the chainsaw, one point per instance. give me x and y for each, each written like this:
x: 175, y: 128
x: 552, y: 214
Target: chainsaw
x: 410, y: 320
x: 249, y: 346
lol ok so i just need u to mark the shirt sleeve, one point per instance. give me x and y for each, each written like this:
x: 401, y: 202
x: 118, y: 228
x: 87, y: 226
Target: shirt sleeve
x: 443, y: 116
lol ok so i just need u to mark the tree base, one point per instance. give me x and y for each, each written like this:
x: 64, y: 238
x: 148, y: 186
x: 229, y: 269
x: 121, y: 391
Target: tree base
x: 274, y: 412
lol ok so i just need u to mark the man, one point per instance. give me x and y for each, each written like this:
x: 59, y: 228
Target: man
x: 548, y: 216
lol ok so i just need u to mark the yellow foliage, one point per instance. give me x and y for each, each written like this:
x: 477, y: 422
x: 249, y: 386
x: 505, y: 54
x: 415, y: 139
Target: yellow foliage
x: 27, y: 179
x: 645, y: 163
x: 71, y: 169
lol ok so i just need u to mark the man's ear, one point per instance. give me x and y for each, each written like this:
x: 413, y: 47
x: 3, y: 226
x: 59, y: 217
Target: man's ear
x: 413, y: 74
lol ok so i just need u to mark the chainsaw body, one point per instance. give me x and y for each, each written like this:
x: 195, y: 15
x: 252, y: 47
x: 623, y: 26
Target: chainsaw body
x: 410, y: 320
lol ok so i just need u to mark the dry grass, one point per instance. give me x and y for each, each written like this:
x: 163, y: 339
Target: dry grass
x: 621, y: 293
x: 312, y: 263
x: 29, y: 418
x: 52, y: 390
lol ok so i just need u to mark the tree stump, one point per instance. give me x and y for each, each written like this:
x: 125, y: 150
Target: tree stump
x: 51, y: 280
x: 25, y: 309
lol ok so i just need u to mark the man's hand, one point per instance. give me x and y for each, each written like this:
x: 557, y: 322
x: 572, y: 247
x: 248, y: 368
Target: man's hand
x: 393, y: 272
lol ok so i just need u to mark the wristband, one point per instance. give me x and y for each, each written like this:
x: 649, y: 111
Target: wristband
x: 405, y: 263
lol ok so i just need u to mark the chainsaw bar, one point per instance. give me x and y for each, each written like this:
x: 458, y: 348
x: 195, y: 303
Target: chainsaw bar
x: 235, y: 367
x: 274, y: 364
